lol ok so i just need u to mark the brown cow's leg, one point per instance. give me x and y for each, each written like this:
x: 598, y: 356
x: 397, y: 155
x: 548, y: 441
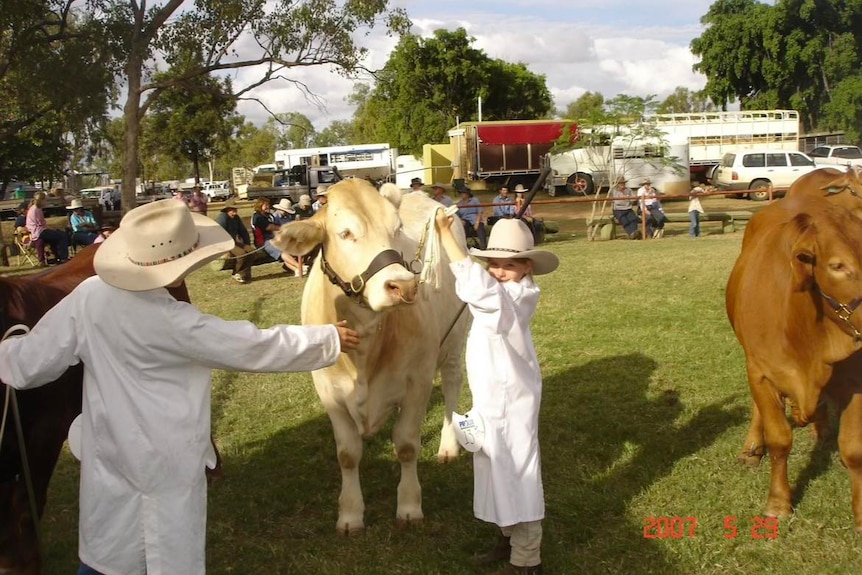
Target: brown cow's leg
x: 778, y: 436
x: 850, y: 446
x: 753, y: 449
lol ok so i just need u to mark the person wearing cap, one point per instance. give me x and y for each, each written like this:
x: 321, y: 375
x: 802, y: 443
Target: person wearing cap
x: 695, y: 208
x: 264, y: 223
x: 283, y: 212
x: 83, y: 224
x: 506, y: 385
x: 230, y: 222
x: 504, y: 205
x: 38, y: 227
x: 471, y: 216
x: 303, y: 207
x: 623, y: 212
x: 651, y: 207
x: 198, y: 201
x: 536, y: 224
x: 320, y: 200
x: 147, y: 361
x: 438, y: 194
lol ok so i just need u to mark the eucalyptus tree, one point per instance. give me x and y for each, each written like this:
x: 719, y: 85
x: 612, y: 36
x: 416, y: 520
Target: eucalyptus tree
x: 294, y: 130
x: 266, y: 39
x: 55, y: 85
x: 430, y: 84
x: 796, y: 54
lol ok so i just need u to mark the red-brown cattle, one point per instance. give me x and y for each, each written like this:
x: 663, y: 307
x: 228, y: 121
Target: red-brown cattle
x: 793, y: 299
x: 409, y: 331
x: 46, y: 413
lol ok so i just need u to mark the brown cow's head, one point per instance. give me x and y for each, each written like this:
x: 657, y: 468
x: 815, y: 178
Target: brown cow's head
x: 826, y: 254
x: 357, y: 225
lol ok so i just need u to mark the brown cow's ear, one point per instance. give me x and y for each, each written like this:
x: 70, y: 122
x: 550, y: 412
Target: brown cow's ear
x: 803, y: 254
x: 299, y: 238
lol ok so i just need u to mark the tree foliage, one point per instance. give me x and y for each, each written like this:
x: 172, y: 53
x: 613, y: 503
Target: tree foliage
x: 683, y: 100
x: 804, y: 55
x: 54, y: 86
x: 430, y: 84
x: 588, y: 105
x: 294, y: 130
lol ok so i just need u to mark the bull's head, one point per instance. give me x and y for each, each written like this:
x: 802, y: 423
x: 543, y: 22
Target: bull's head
x: 827, y: 257
x: 359, y: 234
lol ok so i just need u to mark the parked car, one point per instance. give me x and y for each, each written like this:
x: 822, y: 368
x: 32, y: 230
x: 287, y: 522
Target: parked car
x: 217, y: 190
x: 754, y: 169
x: 840, y: 155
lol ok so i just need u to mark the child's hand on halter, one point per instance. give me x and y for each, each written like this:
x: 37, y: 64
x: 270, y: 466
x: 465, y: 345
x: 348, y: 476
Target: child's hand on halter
x: 444, y: 217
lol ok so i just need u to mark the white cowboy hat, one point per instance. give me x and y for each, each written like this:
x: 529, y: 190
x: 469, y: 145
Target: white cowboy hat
x: 157, y: 244
x: 469, y: 430
x: 305, y: 200
x: 285, y: 206
x: 76, y: 204
x: 519, y: 189
x: 322, y: 190
x: 511, y: 238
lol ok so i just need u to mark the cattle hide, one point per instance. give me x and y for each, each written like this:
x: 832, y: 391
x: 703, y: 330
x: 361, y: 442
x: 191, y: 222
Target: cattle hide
x: 792, y: 299
x: 408, y: 331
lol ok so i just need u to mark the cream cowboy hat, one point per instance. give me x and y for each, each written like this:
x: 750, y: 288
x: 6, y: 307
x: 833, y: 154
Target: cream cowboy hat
x: 285, y: 206
x: 305, y: 200
x: 157, y: 244
x: 519, y: 189
x: 511, y: 238
x: 75, y: 205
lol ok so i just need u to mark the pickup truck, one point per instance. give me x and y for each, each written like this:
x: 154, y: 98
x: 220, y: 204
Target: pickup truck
x: 839, y: 155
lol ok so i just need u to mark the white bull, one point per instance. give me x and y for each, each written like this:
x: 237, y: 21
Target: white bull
x: 408, y: 330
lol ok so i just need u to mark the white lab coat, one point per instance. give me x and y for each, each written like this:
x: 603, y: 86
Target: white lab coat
x: 146, y: 412
x: 506, y: 384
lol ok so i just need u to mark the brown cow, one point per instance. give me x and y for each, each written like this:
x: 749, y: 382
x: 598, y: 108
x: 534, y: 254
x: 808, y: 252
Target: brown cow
x: 793, y: 299
x: 46, y: 413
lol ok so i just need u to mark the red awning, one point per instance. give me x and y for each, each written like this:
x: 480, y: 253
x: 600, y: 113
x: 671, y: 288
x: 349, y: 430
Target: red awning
x: 539, y: 133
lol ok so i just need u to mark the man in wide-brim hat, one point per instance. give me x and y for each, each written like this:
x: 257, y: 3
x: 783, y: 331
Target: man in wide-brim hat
x: 241, y: 256
x: 83, y: 224
x: 147, y: 360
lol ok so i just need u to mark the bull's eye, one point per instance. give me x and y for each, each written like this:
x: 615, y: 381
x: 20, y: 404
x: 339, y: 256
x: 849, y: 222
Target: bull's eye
x: 836, y: 267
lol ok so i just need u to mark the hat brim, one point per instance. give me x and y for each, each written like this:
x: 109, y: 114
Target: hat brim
x: 113, y: 265
x: 543, y: 262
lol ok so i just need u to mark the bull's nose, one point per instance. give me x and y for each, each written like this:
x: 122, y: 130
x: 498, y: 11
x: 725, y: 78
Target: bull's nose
x: 404, y: 290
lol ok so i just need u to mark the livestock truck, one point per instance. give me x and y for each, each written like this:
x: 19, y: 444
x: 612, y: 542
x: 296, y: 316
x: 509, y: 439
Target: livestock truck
x: 495, y: 153
x: 367, y: 161
x: 707, y: 135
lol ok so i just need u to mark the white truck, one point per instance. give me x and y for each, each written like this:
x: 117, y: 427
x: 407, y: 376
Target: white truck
x: 837, y: 156
x: 709, y: 135
x: 632, y: 158
x: 374, y: 161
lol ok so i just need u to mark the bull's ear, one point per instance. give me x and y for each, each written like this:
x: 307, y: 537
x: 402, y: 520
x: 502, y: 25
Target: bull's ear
x: 299, y: 238
x: 803, y: 254
x: 392, y: 193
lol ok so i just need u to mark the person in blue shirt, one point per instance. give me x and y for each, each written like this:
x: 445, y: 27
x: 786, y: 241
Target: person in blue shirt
x: 84, y: 226
x: 504, y: 206
x: 472, y: 217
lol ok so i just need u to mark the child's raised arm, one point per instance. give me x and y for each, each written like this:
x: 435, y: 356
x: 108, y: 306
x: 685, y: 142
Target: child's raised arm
x: 453, y: 249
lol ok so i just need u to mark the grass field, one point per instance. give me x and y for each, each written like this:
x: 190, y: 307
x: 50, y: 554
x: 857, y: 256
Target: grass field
x: 645, y: 409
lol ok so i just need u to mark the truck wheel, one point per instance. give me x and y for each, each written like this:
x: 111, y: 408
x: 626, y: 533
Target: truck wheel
x: 760, y: 195
x: 580, y: 184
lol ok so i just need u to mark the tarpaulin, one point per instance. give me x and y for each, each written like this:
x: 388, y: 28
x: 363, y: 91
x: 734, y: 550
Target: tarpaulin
x: 518, y: 133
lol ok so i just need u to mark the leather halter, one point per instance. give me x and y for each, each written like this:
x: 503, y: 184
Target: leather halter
x: 354, y: 288
x: 844, y: 311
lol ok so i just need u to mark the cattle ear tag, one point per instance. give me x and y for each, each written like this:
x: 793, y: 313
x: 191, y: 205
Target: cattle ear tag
x: 75, y: 437
x: 469, y: 430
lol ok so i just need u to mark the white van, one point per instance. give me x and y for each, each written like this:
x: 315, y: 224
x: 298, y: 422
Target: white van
x: 753, y: 169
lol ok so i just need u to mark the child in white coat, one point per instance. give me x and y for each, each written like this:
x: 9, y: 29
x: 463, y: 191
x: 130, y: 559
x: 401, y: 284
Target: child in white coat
x: 506, y: 384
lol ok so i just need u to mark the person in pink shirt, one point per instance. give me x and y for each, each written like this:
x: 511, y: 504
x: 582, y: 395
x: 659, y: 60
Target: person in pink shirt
x: 198, y: 201
x: 39, y: 230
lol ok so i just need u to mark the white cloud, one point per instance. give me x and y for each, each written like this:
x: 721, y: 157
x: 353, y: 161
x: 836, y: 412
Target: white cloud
x: 607, y: 46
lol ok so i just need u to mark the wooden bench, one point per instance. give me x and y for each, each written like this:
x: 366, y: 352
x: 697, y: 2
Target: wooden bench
x: 602, y: 228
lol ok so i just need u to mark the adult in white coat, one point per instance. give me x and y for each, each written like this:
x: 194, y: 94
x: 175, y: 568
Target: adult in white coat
x: 506, y: 384
x: 146, y: 407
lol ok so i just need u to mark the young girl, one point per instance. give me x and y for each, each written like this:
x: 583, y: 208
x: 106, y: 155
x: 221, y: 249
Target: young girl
x: 506, y: 384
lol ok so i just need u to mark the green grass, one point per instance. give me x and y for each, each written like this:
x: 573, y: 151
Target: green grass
x: 645, y: 408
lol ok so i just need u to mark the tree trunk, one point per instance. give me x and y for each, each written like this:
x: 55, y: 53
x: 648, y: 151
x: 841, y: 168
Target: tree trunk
x: 131, y: 115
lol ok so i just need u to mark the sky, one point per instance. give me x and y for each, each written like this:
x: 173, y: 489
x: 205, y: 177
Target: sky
x: 635, y: 47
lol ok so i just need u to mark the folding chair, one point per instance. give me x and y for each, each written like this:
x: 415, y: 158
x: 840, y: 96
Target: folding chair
x: 26, y: 247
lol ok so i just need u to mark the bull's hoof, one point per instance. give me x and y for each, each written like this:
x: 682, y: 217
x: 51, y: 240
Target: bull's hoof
x: 779, y: 509
x: 750, y: 457
x: 405, y: 523
x: 346, y: 530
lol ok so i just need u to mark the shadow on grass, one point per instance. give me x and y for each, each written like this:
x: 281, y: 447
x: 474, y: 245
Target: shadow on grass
x: 606, y: 438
